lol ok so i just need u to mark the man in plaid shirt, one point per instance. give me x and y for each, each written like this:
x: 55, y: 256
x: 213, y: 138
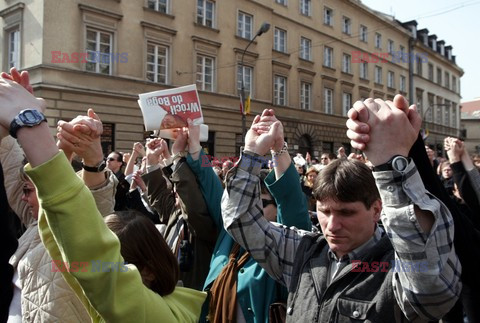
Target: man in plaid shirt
x: 341, y: 275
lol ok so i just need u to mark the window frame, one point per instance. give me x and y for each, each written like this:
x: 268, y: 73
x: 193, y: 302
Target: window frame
x: 248, y: 80
x: 279, y: 96
x: 280, y: 40
x: 305, y: 48
x: 201, y: 84
x: 363, y: 33
x: 378, y: 40
x: 305, y: 95
x: 347, y: 63
x: 202, y: 13
x: 378, y: 74
x: 157, y: 4
x: 306, y: 7
x: 241, y: 25
x: 328, y: 100
x: 346, y: 105
x: 363, y: 70
x: 99, y: 32
x: 328, y: 56
x: 14, y: 55
x: 328, y: 16
x: 391, y: 79
x: 155, y: 64
x: 346, y: 25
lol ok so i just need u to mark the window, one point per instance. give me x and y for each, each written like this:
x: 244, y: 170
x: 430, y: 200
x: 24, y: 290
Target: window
x: 158, y: 5
x: 328, y: 100
x: 305, y: 96
x: 328, y: 16
x: 378, y: 40
x: 328, y: 57
x: 378, y: 74
x: 346, y: 64
x: 454, y: 115
x: 390, y: 46
x: 347, y: 102
x: 430, y: 72
x: 390, y: 79
x: 363, y: 33
x: 282, y: 2
x: 14, y: 48
x: 280, y: 90
x: 447, y: 114
x: 439, y: 76
x: 245, y: 73
x: 402, y: 48
x: 244, y: 25
x: 305, y: 48
x: 403, y: 83
x: 429, y: 111
x: 205, y: 73
x: 206, y: 13
x: 157, y: 63
x: 447, y: 80
x: 454, y: 83
x: 346, y: 25
x: 439, y: 114
x: 419, y: 67
x: 99, y: 51
x: 280, y: 40
x: 306, y: 7
x: 364, y: 70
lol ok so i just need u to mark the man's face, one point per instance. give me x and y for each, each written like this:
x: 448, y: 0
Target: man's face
x: 347, y: 225
x: 324, y: 159
x: 112, y: 162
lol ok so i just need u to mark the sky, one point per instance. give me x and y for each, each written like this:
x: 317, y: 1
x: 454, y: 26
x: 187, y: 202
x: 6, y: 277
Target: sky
x: 456, y: 22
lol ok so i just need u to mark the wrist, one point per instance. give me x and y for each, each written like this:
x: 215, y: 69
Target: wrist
x: 193, y: 149
x: 152, y: 160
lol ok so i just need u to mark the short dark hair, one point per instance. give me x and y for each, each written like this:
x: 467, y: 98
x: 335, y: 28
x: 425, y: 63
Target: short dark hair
x: 142, y: 244
x: 346, y: 180
x: 120, y: 156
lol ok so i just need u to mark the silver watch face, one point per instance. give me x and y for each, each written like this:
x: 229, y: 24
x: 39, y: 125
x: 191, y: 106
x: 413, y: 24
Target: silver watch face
x: 399, y: 163
x: 30, y: 117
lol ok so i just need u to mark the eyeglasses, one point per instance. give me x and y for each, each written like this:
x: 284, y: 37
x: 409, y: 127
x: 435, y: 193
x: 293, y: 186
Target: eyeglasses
x: 266, y: 202
x: 111, y: 159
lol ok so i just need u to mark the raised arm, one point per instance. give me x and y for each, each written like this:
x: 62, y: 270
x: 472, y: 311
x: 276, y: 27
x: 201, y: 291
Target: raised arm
x: 73, y: 230
x: 271, y: 245
x: 419, y: 226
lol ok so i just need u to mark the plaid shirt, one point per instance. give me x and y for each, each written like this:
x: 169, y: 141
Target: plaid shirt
x: 428, y: 293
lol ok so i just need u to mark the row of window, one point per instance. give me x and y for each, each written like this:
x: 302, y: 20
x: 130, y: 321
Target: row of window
x: 440, y: 113
x: 446, y: 81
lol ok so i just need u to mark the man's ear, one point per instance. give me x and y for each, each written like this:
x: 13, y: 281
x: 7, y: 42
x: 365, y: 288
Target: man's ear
x: 377, y: 208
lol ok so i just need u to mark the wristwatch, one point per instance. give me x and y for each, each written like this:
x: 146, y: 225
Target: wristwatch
x: 397, y: 163
x: 26, y: 118
x: 97, y: 168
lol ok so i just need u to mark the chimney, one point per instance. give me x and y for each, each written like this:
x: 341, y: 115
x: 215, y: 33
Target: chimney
x: 441, y: 47
x: 448, y: 52
x: 423, y: 35
x: 432, y: 41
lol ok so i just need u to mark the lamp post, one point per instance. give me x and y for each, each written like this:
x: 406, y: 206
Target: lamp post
x: 263, y: 29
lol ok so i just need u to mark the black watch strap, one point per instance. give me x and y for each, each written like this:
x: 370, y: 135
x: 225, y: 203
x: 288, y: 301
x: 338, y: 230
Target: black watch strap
x: 95, y: 169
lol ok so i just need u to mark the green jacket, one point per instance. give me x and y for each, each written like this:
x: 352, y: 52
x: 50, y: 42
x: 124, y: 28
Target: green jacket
x: 73, y: 230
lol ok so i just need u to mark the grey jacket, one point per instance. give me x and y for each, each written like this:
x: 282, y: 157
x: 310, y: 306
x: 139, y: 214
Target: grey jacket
x: 350, y: 297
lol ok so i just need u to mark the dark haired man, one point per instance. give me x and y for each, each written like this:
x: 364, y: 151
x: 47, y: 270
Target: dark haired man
x: 320, y: 270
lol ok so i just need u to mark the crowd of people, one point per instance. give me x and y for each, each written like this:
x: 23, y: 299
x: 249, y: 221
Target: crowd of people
x: 153, y: 235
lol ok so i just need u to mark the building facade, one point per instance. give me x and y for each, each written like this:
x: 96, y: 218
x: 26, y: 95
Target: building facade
x: 470, y: 125
x: 316, y: 60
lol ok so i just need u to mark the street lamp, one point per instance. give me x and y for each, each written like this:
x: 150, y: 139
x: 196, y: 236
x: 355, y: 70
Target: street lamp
x: 263, y: 29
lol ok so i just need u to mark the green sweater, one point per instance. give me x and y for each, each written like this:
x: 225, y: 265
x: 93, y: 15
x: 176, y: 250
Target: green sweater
x: 73, y: 230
